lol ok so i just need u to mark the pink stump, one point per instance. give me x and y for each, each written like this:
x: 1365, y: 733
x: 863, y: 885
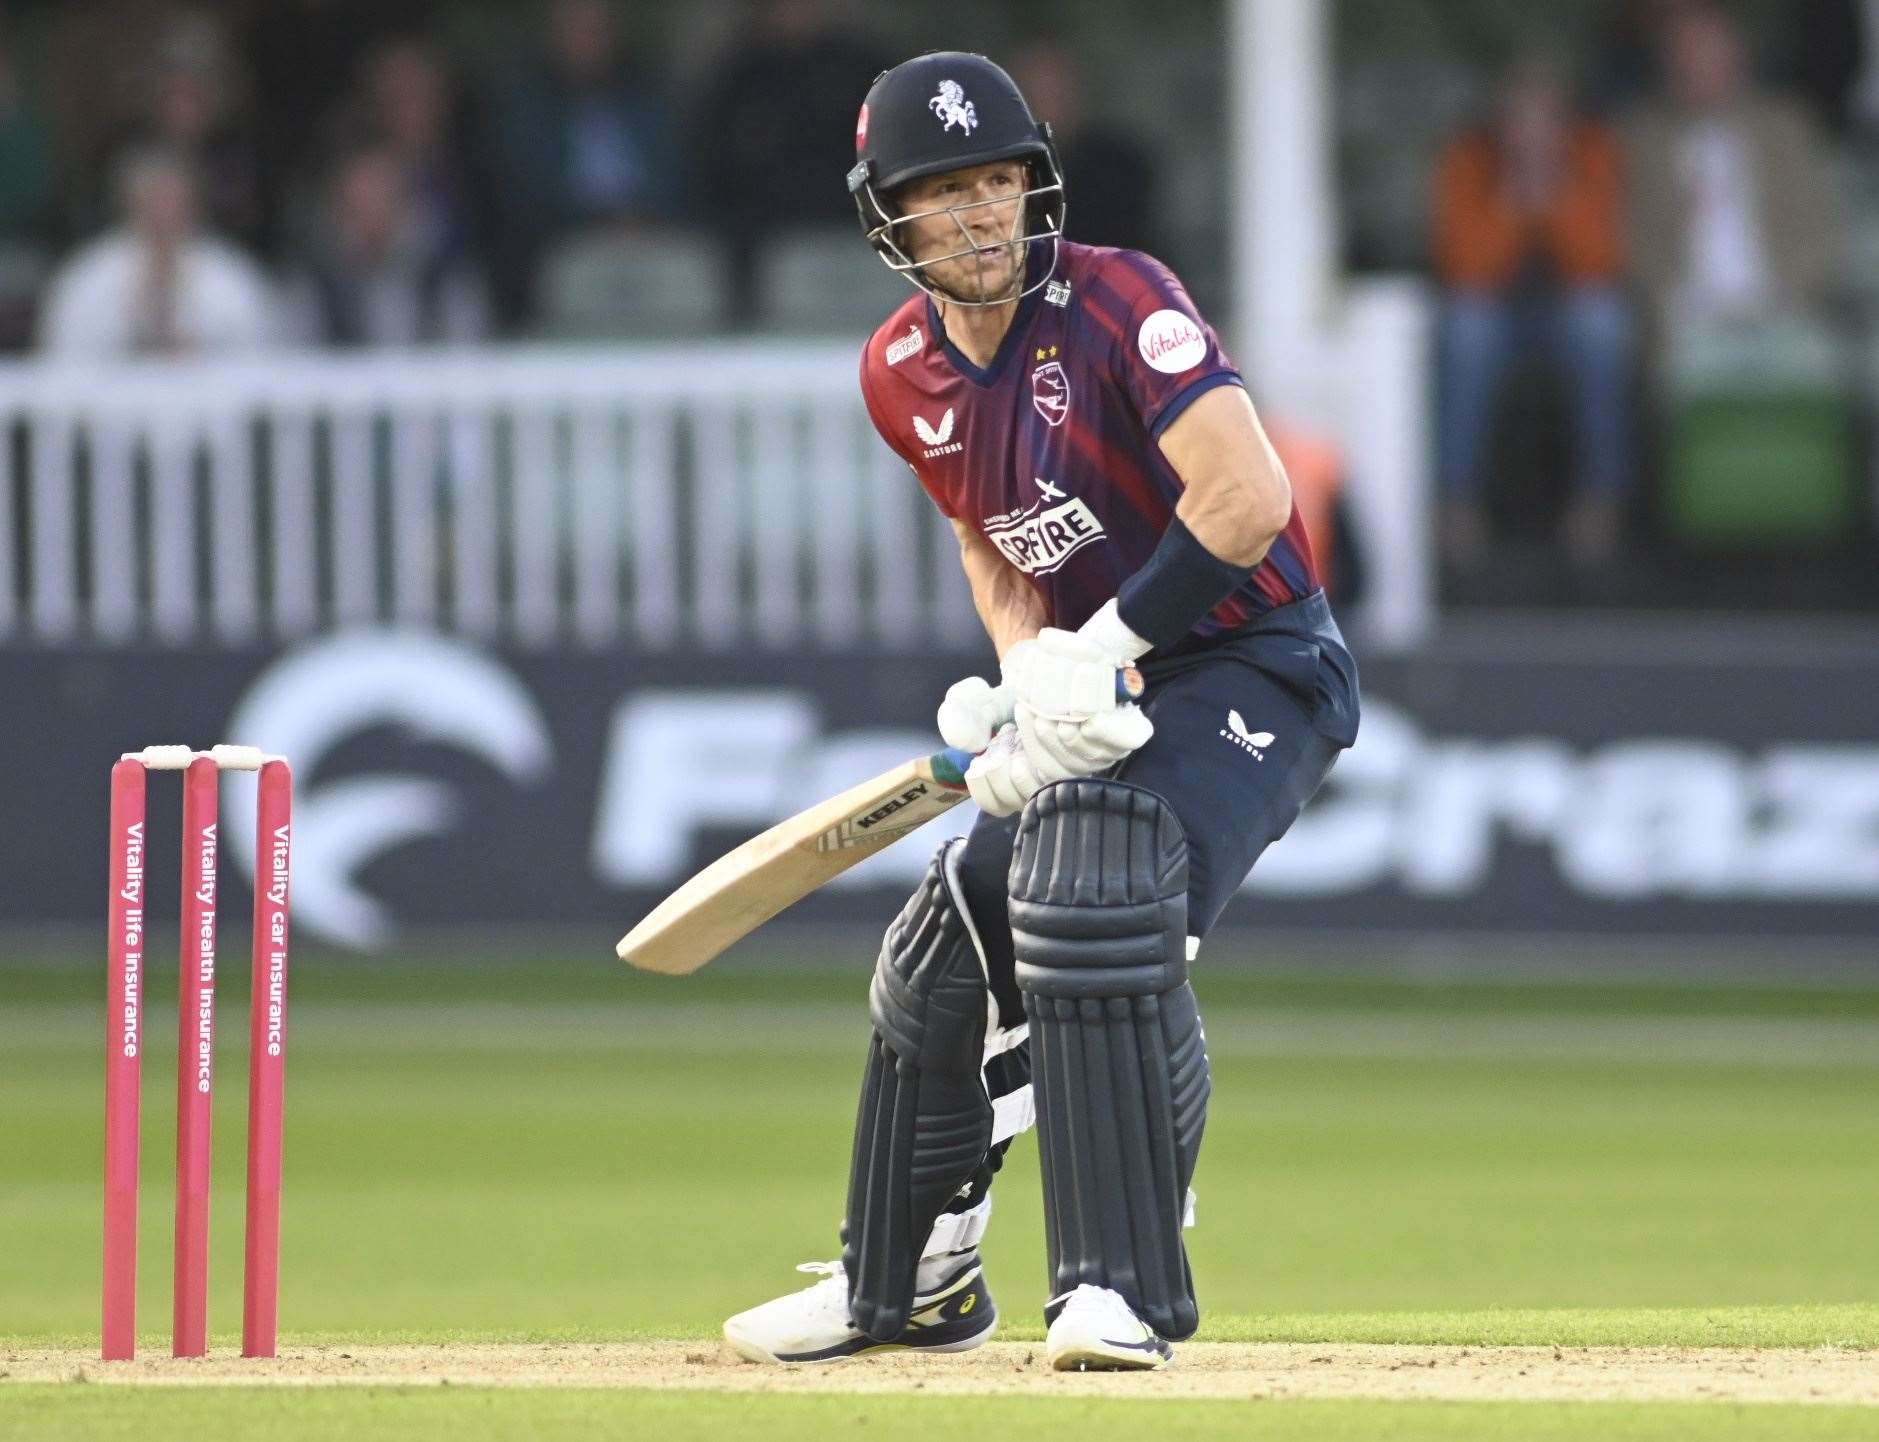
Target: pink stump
x: 267, y: 1053
x: 123, y: 1059
x: 195, y: 1061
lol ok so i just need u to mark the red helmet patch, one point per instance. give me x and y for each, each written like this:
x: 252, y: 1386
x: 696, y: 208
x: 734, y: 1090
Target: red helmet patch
x: 861, y: 128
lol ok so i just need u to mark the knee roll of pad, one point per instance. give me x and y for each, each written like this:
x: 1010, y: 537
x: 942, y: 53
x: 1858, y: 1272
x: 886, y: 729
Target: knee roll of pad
x: 924, y: 1125
x: 1119, y: 1064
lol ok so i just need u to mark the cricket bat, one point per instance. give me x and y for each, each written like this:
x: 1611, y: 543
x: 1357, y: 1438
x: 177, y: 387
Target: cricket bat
x: 748, y: 885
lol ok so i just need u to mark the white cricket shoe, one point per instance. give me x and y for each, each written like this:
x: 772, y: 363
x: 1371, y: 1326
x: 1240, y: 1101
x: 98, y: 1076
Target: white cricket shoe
x: 1096, y: 1331
x: 955, y: 1314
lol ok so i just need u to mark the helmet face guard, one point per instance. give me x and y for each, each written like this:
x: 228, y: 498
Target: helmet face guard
x: 1040, y: 211
x: 942, y: 112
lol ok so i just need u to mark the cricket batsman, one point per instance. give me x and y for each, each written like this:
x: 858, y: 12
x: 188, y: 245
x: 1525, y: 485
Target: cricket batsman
x: 1117, y: 505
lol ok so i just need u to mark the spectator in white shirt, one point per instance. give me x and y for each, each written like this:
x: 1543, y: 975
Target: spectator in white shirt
x: 1730, y: 209
x: 157, y: 285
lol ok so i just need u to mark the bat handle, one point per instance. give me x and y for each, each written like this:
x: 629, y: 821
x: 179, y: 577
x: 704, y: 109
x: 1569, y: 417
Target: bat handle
x: 949, y: 765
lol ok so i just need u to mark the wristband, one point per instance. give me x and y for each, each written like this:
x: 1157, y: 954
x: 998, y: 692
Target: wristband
x: 1181, y: 583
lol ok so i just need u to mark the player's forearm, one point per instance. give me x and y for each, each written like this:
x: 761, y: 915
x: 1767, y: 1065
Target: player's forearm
x: 1009, y: 607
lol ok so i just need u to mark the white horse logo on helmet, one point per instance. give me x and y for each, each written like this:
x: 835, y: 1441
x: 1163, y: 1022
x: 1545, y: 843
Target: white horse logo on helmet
x: 951, y: 106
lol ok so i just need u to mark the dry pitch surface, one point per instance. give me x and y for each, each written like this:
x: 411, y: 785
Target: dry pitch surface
x: 1202, y: 1370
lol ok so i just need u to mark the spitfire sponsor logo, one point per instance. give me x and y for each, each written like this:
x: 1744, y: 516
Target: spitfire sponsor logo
x: 1171, y: 342
x: 952, y: 107
x: 938, y: 440
x: 1038, y: 541
x: 1057, y: 292
x: 1253, y: 743
x: 1050, y: 391
x: 909, y: 344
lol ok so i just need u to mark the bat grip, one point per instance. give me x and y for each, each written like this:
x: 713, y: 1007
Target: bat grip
x: 950, y: 764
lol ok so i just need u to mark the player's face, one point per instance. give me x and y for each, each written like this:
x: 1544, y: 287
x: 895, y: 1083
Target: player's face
x: 978, y: 216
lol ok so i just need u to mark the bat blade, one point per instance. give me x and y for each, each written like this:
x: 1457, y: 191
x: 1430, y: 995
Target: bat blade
x: 751, y: 883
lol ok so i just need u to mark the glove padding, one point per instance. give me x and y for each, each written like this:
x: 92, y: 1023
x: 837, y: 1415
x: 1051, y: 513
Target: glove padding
x: 1004, y: 776
x: 1062, y: 675
x: 972, y: 712
x: 1082, y: 748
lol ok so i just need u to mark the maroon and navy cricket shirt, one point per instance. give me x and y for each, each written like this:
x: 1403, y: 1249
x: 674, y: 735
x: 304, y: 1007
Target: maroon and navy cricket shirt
x: 1051, y: 452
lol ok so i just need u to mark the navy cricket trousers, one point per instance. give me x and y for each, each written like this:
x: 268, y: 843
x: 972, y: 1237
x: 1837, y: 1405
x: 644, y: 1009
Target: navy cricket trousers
x: 1246, y: 729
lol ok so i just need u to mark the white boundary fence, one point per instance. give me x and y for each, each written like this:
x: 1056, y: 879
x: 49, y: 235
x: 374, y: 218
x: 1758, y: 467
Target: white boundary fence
x: 721, y: 495
x: 714, y: 495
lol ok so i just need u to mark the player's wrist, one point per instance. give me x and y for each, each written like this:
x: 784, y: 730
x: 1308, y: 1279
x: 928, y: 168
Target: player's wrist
x: 1176, y: 588
x: 1107, y: 630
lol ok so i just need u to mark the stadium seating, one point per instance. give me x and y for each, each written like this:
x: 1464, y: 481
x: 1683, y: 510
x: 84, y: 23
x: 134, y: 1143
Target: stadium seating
x: 825, y: 282
x: 1761, y: 437
x: 607, y: 285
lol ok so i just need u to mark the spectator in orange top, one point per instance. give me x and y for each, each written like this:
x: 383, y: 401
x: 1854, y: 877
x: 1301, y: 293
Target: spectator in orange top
x: 1527, y: 247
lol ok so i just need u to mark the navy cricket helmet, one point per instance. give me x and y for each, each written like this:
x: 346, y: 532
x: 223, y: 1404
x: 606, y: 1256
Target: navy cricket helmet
x: 948, y: 110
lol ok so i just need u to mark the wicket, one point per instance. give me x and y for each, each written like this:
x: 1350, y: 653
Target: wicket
x: 195, y: 1058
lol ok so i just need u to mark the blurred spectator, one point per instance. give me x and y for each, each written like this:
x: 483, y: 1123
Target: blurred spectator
x: 583, y: 136
x: 1730, y: 212
x: 1315, y: 468
x: 191, y: 109
x: 1527, y: 247
x: 158, y: 285
x: 138, y: 76
x: 1623, y: 56
x: 1105, y: 168
x: 26, y: 203
x: 1837, y: 63
x: 775, y: 131
x: 303, y: 56
x: 407, y: 102
x: 370, y: 280
x: 26, y: 189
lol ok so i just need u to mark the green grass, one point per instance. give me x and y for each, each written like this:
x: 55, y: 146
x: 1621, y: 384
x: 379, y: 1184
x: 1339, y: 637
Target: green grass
x: 574, y: 1151
x: 469, y: 1414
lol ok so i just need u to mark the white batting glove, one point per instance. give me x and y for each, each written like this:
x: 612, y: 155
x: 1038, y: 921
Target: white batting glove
x: 1062, y: 675
x: 1107, y: 630
x: 1003, y: 777
x: 972, y: 712
x: 1082, y: 748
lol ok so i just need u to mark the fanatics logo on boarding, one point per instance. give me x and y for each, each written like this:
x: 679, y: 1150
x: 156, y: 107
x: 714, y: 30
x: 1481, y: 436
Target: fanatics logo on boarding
x: 1050, y: 391
x: 951, y: 106
x: 1171, y: 342
x: 939, y: 442
x: 1253, y: 743
x: 909, y: 344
